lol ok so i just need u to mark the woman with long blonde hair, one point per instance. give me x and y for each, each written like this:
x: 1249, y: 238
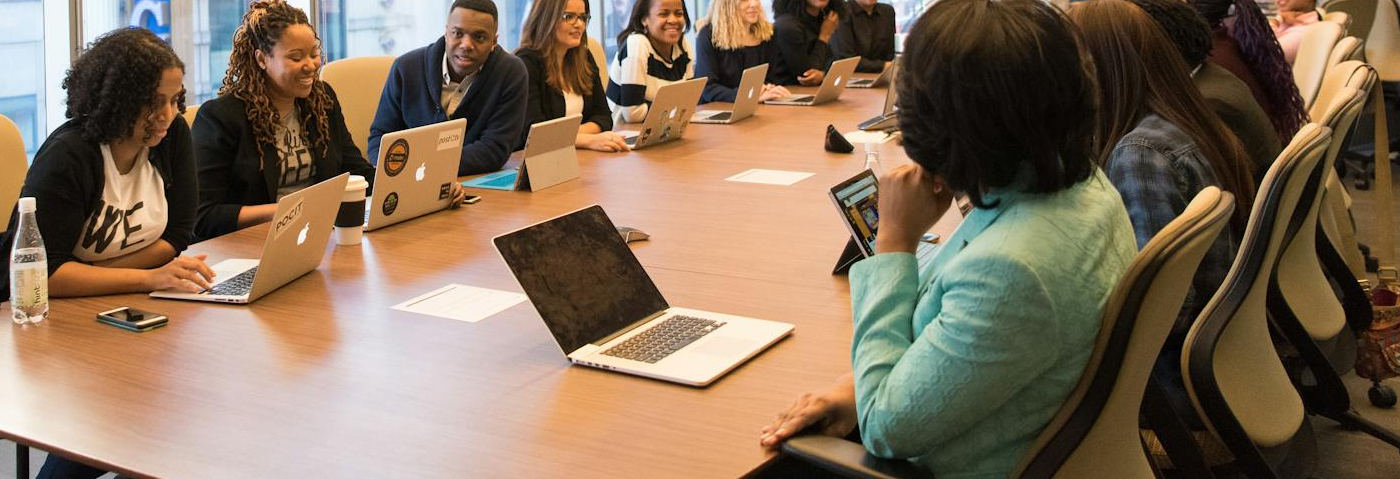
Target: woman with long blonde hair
x: 735, y: 36
x: 275, y: 127
x: 564, y: 77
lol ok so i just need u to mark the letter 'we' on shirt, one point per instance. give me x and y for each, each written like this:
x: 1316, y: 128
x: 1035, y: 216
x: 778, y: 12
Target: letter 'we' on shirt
x: 131, y: 214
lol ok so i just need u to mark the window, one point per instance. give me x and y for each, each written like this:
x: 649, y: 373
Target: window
x: 353, y: 28
x: 22, y: 92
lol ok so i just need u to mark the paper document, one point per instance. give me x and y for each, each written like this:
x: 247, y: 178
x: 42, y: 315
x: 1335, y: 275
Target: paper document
x: 461, y: 302
x: 770, y: 177
x: 872, y: 137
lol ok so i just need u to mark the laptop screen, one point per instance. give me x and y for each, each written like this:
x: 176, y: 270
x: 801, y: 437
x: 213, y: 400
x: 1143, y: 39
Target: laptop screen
x: 581, y: 277
x: 857, y: 199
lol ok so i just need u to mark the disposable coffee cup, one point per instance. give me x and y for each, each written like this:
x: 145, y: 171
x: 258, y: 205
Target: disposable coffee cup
x: 350, y: 221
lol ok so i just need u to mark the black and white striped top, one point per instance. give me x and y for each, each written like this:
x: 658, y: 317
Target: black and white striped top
x: 638, y: 71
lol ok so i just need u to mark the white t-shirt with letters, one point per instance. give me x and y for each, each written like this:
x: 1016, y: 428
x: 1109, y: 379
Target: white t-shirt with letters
x: 131, y: 215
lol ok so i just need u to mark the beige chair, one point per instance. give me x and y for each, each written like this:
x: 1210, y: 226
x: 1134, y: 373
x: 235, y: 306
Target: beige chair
x: 1340, y: 18
x: 1095, y: 432
x: 1231, y: 370
x: 190, y: 112
x: 1348, y: 48
x: 358, y: 83
x: 1361, y: 14
x: 14, y: 163
x: 1335, y: 216
x: 599, y: 59
x: 1311, y: 62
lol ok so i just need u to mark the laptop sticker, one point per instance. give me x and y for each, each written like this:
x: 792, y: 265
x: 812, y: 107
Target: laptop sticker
x: 449, y: 139
x: 396, y: 158
x: 391, y: 203
x: 443, y: 190
x: 286, y: 221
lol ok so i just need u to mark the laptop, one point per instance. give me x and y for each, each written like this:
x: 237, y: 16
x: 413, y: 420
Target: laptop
x: 745, y: 99
x: 605, y: 312
x: 832, y: 85
x: 879, y: 81
x: 416, y: 169
x: 856, y: 200
x: 668, y: 115
x: 296, y: 242
x: 549, y: 159
x: 889, y: 116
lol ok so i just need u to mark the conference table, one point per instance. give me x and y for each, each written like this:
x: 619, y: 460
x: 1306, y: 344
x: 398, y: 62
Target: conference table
x: 322, y: 378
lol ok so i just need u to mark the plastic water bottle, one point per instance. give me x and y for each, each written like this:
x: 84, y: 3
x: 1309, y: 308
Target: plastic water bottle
x: 29, y: 269
x: 872, y: 158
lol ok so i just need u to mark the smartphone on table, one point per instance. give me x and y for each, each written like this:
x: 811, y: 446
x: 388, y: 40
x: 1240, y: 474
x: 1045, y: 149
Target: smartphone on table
x: 132, y: 319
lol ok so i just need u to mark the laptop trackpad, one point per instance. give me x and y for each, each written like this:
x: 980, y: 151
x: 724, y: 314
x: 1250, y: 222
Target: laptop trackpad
x: 231, y: 267
x: 726, y: 346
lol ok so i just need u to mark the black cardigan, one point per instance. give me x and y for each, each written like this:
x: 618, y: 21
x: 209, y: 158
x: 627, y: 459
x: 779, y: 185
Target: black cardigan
x: 232, y: 174
x: 799, y: 47
x: 547, y: 103
x: 67, y: 178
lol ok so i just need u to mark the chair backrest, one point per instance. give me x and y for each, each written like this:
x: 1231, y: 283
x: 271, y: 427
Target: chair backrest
x: 1347, y: 74
x: 600, y: 59
x: 13, y: 166
x: 1348, y: 48
x: 1383, y: 43
x: 190, y: 112
x: 1232, y: 372
x: 1362, y: 14
x: 1095, y: 433
x: 1340, y: 18
x: 358, y: 83
x: 1335, y: 216
x: 1311, y: 62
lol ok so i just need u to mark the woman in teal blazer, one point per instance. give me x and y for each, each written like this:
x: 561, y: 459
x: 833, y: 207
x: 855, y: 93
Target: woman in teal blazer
x: 960, y: 366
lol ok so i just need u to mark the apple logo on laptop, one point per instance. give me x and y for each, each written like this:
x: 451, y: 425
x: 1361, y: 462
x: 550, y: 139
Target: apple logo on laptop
x: 838, y: 81
x: 751, y: 93
x: 301, y: 235
x: 418, y: 174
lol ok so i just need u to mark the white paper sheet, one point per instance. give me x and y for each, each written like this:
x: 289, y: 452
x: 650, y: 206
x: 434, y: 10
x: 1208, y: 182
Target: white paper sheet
x: 461, y: 302
x: 871, y: 137
x: 770, y: 177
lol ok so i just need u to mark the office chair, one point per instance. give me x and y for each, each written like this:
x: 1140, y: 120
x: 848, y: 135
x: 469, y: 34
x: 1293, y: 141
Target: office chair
x: 14, y: 164
x: 358, y: 83
x: 1311, y: 62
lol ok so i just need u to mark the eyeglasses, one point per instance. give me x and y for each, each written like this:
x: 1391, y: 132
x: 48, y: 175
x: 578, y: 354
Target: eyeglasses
x: 569, y: 17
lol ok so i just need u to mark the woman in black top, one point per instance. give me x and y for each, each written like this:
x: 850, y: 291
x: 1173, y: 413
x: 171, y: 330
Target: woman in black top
x: 803, y: 30
x: 114, y: 185
x: 734, y: 37
x: 564, y: 78
x: 867, y: 32
x: 275, y: 127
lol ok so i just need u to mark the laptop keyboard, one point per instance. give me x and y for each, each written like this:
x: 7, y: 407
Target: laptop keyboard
x: 631, y: 140
x: 663, y: 339
x: 236, y: 286
x: 799, y: 98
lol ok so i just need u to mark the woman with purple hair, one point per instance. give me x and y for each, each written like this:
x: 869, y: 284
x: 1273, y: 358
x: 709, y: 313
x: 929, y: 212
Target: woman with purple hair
x: 1244, y: 43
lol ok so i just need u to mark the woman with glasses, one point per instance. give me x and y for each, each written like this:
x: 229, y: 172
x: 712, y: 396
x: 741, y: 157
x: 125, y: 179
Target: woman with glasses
x: 733, y: 37
x: 653, y: 53
x: 563, y: 76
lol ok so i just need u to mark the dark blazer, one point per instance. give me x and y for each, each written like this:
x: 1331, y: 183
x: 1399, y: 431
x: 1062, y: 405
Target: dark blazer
x: 67, y: 178
x: 547, y: 102
x: 799, y: 46
x: 231, y: 172
x: 1231, y: 100
x: 494, y: 106
x: 870, y: 37
x: 725, y: 68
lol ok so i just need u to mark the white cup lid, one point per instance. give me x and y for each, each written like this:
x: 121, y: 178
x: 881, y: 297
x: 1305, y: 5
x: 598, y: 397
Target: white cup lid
x: 356, y: 182
x: 26, y: 205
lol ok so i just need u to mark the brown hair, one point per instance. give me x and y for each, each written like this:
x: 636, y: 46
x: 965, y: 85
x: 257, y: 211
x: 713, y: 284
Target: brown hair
x: 568, y: 70
x: 1140, y: 72
x: 261, y: 29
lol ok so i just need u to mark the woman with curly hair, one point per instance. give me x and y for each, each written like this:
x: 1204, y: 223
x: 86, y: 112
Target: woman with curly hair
x: 734, y: 37
x: 802, y: 29
x: 274, y: 129
x: 115, y: 184
x: 563, y: 74
x: 1244, y: 43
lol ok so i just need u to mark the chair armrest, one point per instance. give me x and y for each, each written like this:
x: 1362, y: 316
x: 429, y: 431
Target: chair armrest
x: 849, y: 459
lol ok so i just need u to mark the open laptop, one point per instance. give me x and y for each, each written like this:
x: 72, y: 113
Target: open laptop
x: 856, y: 200
x: 745, y: 99
x: 296, y: 241
x: 832, y: 85
x: 549, y: 159
x: 605, y: 312
x: 416, y: 169
x: 879, y: 81
x: 889, y: 116
x: 668, y: 115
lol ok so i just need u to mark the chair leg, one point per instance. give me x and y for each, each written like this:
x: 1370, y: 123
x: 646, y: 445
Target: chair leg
x: 1351, y: 419
x: 21, y: 461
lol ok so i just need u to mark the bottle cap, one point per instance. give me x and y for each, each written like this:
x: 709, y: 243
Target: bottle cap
x: 26, y: 205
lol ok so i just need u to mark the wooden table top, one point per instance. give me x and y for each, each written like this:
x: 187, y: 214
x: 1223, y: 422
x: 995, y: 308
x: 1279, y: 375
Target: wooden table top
x: 322, y: 378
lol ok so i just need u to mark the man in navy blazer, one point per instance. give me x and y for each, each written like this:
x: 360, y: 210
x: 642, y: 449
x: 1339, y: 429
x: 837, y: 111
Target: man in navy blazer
x: 464, y: 74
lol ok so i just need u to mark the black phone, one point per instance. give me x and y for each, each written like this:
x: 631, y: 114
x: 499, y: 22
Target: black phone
x: 132, y: 319
x: 471, y: 199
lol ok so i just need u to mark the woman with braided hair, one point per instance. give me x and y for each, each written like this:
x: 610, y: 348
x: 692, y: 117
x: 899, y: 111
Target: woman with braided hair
x: 1244, y: 43
x: 274, y: 129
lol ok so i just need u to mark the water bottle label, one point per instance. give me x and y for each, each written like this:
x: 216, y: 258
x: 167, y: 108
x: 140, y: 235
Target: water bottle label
x: 29, y: 285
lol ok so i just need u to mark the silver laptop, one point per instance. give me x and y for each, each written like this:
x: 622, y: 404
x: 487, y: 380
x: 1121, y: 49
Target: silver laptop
x: 881, y: 80
x: 669, y: 114
x: 832, y: 85
x: 605, y: 312
x: 745, y: 99
x: 856, y: 200
x: 549, y: 159
x: 296, y: 241
x: 889, y: 116
x: 416, y: 170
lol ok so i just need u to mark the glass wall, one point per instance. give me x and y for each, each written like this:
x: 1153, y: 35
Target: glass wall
x: 353, y: 28
x: 22, y: 47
